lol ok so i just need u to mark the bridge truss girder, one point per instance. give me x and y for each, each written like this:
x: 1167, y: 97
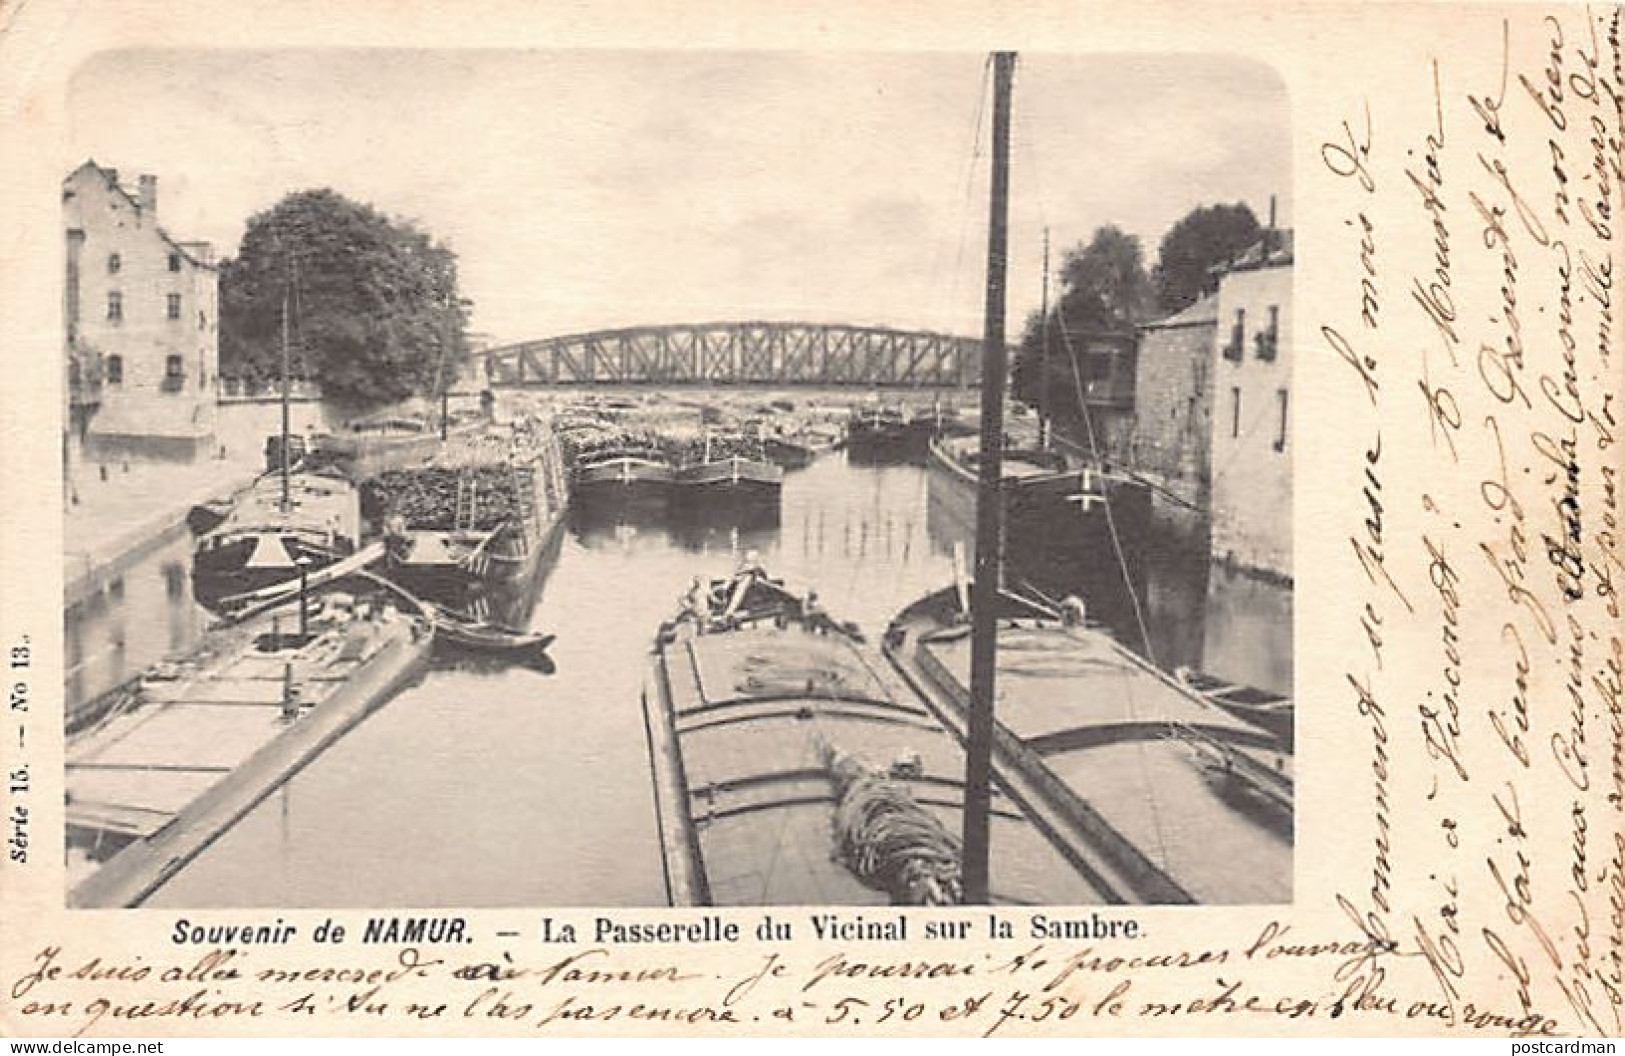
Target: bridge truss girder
x: 739, y: 354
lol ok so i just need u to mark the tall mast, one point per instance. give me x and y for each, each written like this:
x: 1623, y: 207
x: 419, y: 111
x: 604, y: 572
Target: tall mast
x: 985, y: 588
x: 286, y: 501
x: 1043, y: 352
x: 445, y: 352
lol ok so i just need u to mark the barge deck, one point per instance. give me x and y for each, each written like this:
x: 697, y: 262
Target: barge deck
x: 199, y: 742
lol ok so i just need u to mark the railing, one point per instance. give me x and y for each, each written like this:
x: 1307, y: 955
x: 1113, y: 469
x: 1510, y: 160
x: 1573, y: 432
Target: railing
x: 1264, y: 344
x: 242, y: 391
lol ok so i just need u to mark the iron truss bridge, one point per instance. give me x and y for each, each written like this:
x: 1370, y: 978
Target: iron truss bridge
x: 740, y: 354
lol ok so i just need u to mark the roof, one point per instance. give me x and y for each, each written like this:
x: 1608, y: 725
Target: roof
x: 110, y: 177
x: 1205, y: 312
x: 1277, y: 255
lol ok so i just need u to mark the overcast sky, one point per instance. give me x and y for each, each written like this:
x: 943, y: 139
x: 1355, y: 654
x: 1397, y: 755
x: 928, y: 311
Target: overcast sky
x: 591, y: 189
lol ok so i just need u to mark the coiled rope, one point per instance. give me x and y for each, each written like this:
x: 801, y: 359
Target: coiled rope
x: 888, y: 840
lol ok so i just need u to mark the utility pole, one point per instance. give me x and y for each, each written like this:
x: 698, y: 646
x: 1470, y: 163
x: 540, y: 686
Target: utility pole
x: 989, y: 514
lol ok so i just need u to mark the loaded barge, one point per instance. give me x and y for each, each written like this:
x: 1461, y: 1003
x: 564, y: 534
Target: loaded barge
x: 620, y: 466
x: 477, y: 522
x: 729, y: 467
x: 884, y: 434
x: 791, y: 767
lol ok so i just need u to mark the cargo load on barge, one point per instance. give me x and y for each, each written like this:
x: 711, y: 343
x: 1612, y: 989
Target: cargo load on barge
x: 618, y: 464
x: 478, y: 518
x: 728, y: 466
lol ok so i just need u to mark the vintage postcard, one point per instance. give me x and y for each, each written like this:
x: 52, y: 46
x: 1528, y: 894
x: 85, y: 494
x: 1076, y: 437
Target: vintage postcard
x: 1045, y: 519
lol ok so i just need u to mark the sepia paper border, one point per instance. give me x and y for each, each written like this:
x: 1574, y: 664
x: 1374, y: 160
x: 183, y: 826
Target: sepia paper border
x: 1452, y: 876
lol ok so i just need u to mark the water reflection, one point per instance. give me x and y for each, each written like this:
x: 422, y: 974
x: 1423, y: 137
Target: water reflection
x: 728, y: 526
x: 135, y: 620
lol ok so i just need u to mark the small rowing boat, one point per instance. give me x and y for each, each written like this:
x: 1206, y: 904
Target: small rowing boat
x: 456, y: 629
x: 1272, y: 711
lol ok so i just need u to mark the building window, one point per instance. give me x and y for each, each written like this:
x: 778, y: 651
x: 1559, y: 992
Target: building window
x: 174, y: 262
x: 73, y: 291
x: 1235, y: 412
x: 1268, y: 337
x: 202, y: 321
x: 114, y: 263
x: 174, y: 378
x: 1238, y: 338
x: 115, y: 306
x: 174, y: 306
x: 115, y: 369
x: 1280, y: 435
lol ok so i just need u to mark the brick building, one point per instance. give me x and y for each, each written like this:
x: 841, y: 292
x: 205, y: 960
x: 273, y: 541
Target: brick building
x: 141, y: 321
x: 1169, y: 442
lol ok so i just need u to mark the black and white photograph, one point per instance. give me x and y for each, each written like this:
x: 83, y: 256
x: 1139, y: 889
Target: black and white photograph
x: 642, y: 478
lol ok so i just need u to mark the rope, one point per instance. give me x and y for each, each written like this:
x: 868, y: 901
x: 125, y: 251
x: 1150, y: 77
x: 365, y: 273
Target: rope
x: 1025, y: 140
x: 957, y: 272
x: 888, y: 840
x: 1111, y: 520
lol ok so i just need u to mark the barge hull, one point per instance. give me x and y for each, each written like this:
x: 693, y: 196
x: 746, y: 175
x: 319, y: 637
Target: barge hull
x: 141, y: 868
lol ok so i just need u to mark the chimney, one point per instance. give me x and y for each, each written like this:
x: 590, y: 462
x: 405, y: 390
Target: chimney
x: 1269, y: 235
x: 149, y: 197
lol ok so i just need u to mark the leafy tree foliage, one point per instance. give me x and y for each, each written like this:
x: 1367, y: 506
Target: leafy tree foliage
x: 1103, y: 289
x: 374, y: 312
x: 1206, y: 236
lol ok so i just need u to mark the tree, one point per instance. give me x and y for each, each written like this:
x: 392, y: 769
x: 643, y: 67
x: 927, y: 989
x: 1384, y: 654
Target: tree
x: 1104, y: 285
x: 1206, y: 236
x: 374, y: 312
x: 1103, y: 289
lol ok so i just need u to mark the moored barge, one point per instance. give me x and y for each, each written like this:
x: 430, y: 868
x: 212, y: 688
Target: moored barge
x: 791, y: 767
x: 1176, y: 799
x: 729, y: 467
x: 621, y: 467
x: 880, y: 434
x: 307, y: 518
x: 1050, y: 507
x: 196, y: 742
x: 478, y: 518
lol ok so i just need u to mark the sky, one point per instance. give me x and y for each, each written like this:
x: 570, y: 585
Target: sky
x: 592, y: 189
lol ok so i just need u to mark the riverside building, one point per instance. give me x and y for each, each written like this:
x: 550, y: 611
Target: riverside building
x: 140, y: 312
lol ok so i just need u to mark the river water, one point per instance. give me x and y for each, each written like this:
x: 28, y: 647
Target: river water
x: 491, y: 786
